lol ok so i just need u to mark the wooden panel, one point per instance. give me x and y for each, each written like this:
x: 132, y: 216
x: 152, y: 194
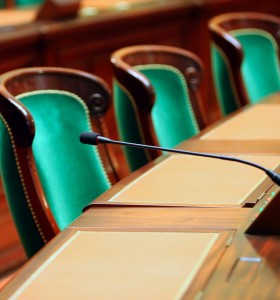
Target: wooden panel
x: 158, y: 218
x: 12, y: 254
x: 19, y: 48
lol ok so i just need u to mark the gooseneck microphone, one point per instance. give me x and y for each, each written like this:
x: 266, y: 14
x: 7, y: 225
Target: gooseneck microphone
x: 92, y: 138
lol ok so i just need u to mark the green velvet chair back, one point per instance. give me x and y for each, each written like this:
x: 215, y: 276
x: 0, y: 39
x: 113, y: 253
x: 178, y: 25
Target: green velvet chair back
x: 47, y: 174
x: 245, y: 58
x: 23, y: 3
x: 156, y: 98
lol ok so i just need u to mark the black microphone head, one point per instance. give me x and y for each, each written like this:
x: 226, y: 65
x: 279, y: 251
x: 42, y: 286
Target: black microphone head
x: 89, y: 138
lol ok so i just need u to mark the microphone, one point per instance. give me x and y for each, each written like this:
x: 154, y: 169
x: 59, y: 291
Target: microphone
x: 92, y: 138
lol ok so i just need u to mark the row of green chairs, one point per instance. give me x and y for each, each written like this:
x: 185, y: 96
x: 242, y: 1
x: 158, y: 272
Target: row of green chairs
x: 168, y: 110
x: 48, y: 176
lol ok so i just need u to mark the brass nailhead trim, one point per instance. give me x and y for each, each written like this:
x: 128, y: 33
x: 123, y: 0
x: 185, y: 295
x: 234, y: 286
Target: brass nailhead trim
x: 23, y: 182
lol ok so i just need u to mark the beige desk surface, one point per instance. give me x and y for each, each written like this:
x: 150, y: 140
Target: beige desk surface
x: 194, y: 181
x: 12, y: 17
x: 121, y: 265
x: 259, y: 122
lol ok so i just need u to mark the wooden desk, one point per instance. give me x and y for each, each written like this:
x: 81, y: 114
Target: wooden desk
x: 125, y: 251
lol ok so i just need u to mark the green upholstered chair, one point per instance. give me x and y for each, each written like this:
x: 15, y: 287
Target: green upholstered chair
x: 156, y: 98
x: 22, y: 3
x: 47, y: 174
x: 245, y: 58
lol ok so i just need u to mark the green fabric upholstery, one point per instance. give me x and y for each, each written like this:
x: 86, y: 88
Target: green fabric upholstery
x: 260, y: 69
x: 15, y: 196
x: 21, y: 3
x: 223, y: 82
x: 126, y: 116
x: 172, y: 114
x: 71, y: 173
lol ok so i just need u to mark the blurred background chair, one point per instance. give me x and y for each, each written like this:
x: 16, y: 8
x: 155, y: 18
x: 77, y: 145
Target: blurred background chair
x: 245, y: 58
x: 21, y: 3
x: 47, y: 174
x: 156, y: 98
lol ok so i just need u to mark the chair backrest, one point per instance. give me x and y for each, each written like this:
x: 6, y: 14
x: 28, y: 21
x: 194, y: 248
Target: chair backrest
x: 21, y: 3
x: 156, y: 98
x: 245, y: 57
x: 47, y: 174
